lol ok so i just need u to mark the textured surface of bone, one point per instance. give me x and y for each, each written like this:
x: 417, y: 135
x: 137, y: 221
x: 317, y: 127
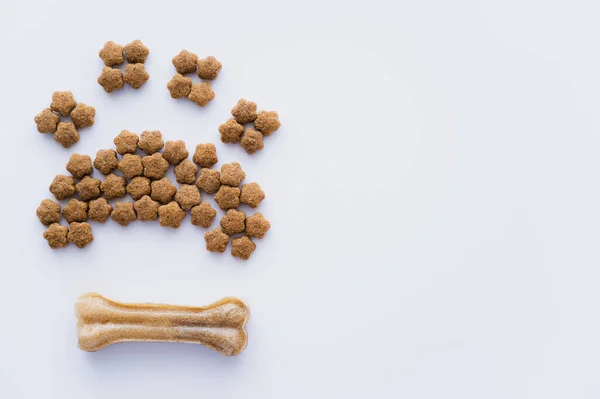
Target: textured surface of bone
x: 220, y: 326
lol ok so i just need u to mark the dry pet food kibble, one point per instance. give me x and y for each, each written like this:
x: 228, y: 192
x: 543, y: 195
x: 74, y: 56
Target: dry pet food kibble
x: 242, y: 247
x: 205, y: 155
x: 257, y: 226
x: 216, y: 240
x: 170, y: 215
x: 203, y: 215
x: 175, y: 152
x: 62, y: 187
x: 136, y: 52
x: 185, y: 172
x: 126, y: 142
x: 80, y: 234
x: 106, y: 161
x: 135, y: 75
x: 113, y: 186
x: 111, y: 79
x: 201, y: 93
x: 75, y: 211
x: 188, y: 196
x: 63, y: 102
x: 56, y: 235
x: 111, y: 54
x: 231, y: 131
x: 179, y: 86
x: 209, y: 68
x: 88, y: 188
x: 123, y: 213
x: 232, y: 174
x: 252, y: 141
x: 83, y: 115
x: 252, y: 195
x: 48, y: 212
x: 209, y: 180
x: 151, y: 141
x: 80, y: 165
x: 163, y: 190
x: 146, y: 208
x: 66, y: 134
x: 185, y: 62
x: 47, y: 121
x: 233, y: 222
x: 228, y: 197
x: 99, y: 210
x: 267, y: 122
x: 138, y: 187
x: 155, y: 166
x: 131, y: 165
x: 244, y: 111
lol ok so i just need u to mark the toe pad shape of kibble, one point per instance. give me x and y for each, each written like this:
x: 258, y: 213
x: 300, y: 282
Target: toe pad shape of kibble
x: 154, y: 196
x: 135, y: 75
x: 181, y: 86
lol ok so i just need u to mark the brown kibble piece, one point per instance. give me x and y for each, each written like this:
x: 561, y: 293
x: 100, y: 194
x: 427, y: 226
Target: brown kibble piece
x: 88, y: 188
x: 99, y: 210
x: 63, y: 102
x: 175, y: 152
x: 46, y: 121
x: 136, y: 52
x: 233, y: 222
x: 216, y: 240
x: 113, y: 186
x: 170, y: 215
x: 135, y: 75
x: 75, y: 211
x: 209, y: 180
x: 111, y: 79
x: 242, y: 247
x: 131, y: 165
x: 62, y: 187
x: 185, y: 62
x: 106, y: 161
x: 155, y: 166
x: 252, y: 195
x: 146, y: 208
x: 252, y: 141
x: 228, y: 197
x: 179, y: 86
x: 208, y: 68
x: 244, y: 111
x: 126, y: 142
x: 267, y: 122
x: 163, y: 190
x: 188, y: 196
x: 138, y: 187
x: 206, y: 155
x: 48, y: 212
x: 111, y: 53
x: 232, y: 174
x: 80, y: 234
x: 66, y: 134
x: 231, y: 131
x: 123, y: 213
x: 257, y: 226
x: 56, y: 235
x: 80, y: 165
x: 201, y: 93
x: 203, y: 215
x: 83, y: 115
x: 185, y: 172
x: 151, y: 141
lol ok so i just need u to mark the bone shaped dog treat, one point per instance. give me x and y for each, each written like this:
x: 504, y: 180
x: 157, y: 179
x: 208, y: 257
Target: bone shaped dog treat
x: 221, y: 325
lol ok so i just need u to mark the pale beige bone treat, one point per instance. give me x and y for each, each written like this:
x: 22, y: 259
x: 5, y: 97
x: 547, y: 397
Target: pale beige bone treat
x: 80, y: 234
x: 48, y: 212
x: 113, y: 186
x: 111, y: 54
x: 205, y: 155
x: 220, y: 326
x: 188, y: 196
x: 163, y: 190
x: 252, y: 141
x: 209, y: 180
x: 252, y: 195
x: 135, y: 75
x: 131, y: 165
x: 83, y: 115
x: 99, y: 210
x: 47, y: 121
x: 179, y: 86
x: 136, y: 52
x: 171, y: 215
x: 228, y: 197
x: 106, y: 161
x: 146, y: 208
x: 216, y: 240
x: 151, y: 141
x: 232, y: 174
x: 201, y: 93
x: 56, y: 235
x: 208, y: 68
x: 62, y: 187
x: 203, y: 215
x: 267, y: 122
x: 185, y: 62
x: 244, y: 111
x: 175, y: 152
x: 233, y: 222
x: 155, y: 166
x: 242, y: 247
x: 185, y: 172
x: 88, y: 188
x: 123, y: 213
x: 111, y: 79
x: 62, y: 102
x: 75, y: 211
x: 231, y: 131
x: 257, y: 226
x: 80, y: 165
x: 126, y: 142
x: 66, y: 134
x: 138, y: 187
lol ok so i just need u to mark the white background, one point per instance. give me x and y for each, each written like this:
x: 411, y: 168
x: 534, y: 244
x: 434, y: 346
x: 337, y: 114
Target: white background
x: 433, y: 192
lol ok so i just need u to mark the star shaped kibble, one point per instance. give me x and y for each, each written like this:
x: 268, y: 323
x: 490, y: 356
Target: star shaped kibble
x: 113, y: 54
